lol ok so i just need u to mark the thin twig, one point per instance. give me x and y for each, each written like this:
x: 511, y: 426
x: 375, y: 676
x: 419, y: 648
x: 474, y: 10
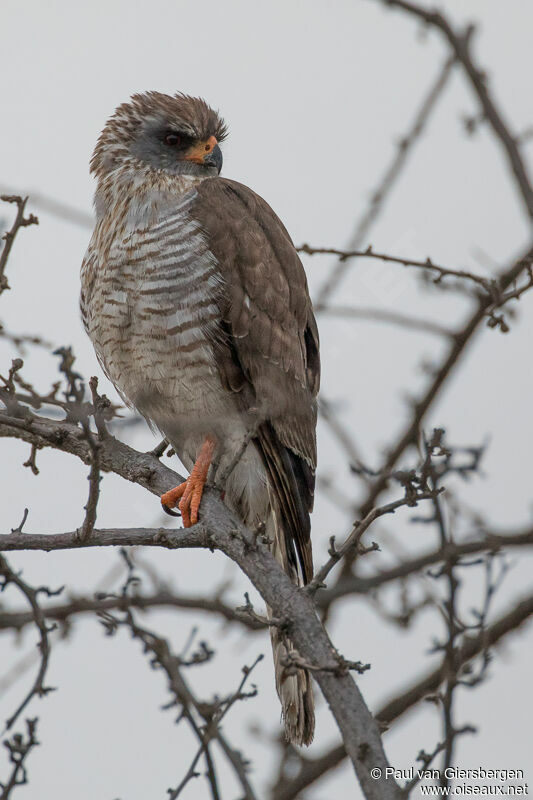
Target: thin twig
x: 38, y: 688
x: 19, y: 748
x: 64, y: 613
x: 486, y: 542
x: 354, y: 537
x: 9, y: 237
x: 391, y: 317
x: 460, y: 45
x: 427, y: 264
x: 211, y: 713
x: 427, y: 758
x: 94, y: 485
x: 313, y: 769
x: 459, y: 343
x: 379, y: 195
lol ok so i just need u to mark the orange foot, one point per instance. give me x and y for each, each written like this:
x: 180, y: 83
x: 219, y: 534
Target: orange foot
x: 188, y: 495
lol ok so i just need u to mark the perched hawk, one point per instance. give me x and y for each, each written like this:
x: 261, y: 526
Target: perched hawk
x: 198, y: 308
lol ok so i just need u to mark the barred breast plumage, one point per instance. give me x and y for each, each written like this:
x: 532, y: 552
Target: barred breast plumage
x: 150, y: 303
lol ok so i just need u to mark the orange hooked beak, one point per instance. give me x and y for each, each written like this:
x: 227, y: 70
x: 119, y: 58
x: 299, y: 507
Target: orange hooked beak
x: 201, y: 150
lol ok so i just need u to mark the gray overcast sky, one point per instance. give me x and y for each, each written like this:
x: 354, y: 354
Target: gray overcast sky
x: 316, y: 94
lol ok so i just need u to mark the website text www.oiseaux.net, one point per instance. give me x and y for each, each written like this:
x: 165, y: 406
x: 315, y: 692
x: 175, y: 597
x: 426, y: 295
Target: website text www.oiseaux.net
x: 476, y: 781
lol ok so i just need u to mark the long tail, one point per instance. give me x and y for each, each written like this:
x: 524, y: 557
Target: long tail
x: 293, y: 685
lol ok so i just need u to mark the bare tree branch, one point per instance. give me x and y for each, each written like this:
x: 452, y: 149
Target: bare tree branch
x: 353, y: 539
x: 362, y: 584
x: 427, y: 265
x: 460, y: 44
x: 19, y: 748
x: 211, y: 713
x: 378, y: 197
x: 9, y: 237
x: 313, y: 769
x: 50, y: 205
x: 165, y: 598
x: 459, y: 343
x: 220, y: 530
x: 38, y: 688
x: 391, y: 317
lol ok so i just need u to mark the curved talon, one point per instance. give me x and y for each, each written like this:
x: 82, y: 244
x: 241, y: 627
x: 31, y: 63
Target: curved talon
x: 188, y: 495
x: 169, y: 511
x: 170, y: 499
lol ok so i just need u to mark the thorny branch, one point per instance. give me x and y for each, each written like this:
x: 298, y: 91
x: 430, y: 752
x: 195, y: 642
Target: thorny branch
x: 485, y: 542
x: 393, y: 317
x: 19, y: 748
x: 460, y: 46
x: 426, y: 759
x: 427, y: 264
x: 222, y: 531
x: 409, y: 436
x: 9, y: 237
x: 203, y: 717
x: 65, y: 613
x: 393, y: 171
x: 450, y: 613
x: 38, y: 689
x: 495, y: 294
x: 94, y: 485
x: 408, y: 697
x: 416, y: 489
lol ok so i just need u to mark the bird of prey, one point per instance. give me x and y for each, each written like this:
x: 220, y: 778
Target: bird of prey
x: 198, y: 308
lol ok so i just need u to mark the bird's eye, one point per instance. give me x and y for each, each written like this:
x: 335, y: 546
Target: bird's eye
x: 173, y: 139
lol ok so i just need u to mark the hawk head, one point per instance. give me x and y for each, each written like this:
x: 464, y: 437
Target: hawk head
x: 178, y: 134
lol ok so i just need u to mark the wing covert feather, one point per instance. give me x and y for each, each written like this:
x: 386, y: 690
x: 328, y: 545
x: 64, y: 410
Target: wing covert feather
x: 270, y: 353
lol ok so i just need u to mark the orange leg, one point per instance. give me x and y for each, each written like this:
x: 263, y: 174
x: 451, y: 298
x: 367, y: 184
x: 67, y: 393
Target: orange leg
x: 188, y: 495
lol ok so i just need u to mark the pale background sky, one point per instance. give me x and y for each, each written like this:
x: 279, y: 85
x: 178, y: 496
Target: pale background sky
x: 315, y: 94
